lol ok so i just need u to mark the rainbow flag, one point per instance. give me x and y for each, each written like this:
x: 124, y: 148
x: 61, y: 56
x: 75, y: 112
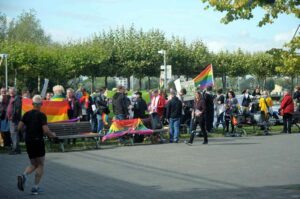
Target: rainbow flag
x: 55, y: 111
x: 205, y: 78
x: 57, y: 98
x: 104, y: 118
x: 120, y: 128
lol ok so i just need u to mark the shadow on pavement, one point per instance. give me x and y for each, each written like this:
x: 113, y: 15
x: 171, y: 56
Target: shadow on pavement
x: 65, y: 181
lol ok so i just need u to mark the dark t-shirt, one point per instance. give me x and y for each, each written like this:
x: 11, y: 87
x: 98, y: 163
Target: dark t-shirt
x: 209, y: 102
x: 34, y: 121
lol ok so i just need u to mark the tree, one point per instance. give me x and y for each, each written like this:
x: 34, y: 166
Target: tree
x: 223, y: 60
x: 270, y: 84
x: 240, y: 65
x: 180, y: 57
x: 243, y: 9
x: 152, y: 41
x: 22, y: 59
x: 136, y: 52
x: 288, y: 61
x: 200, y: 57
x: 95, y: 59
x: 108, y: 41
x: 262, y: 66
x: 27, y: 28
x: 3, y: 27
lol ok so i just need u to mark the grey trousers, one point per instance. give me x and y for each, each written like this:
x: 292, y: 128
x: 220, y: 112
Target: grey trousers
x: 14, y: 134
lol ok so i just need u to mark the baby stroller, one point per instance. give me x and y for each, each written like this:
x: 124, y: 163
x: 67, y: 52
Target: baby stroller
x: 237, y: 121
x: 264, y: 122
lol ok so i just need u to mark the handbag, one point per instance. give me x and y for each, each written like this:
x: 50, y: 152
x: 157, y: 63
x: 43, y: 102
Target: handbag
x: 234, y: 121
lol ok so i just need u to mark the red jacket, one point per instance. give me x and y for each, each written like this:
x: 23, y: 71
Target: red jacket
x: 287, y: 104
x: 160, y: 106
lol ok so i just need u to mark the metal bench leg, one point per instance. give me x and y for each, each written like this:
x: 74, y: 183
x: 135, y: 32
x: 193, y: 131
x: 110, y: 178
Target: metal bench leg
x: 131, y: 140
x: 49, y: 144
x: 62, y: 147
x: 297, y: 125
x: 254, y: 128
x: 97, y: 143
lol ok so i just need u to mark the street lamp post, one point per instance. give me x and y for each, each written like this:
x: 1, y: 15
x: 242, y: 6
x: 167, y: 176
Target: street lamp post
x: 163, y: 52
x: 4, y: 56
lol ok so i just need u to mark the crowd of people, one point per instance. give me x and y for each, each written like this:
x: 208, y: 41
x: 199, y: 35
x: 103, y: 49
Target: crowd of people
x: 208, y: 110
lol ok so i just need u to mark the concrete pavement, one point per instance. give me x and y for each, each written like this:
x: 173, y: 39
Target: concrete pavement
x: 247, y: 167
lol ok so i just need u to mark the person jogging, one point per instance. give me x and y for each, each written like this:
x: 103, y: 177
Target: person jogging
x: 35, y: 124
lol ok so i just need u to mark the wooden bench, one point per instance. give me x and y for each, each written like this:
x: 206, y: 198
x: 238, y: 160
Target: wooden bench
x: 158, y: 135
x: 154, y: 138
x: 72, y: 130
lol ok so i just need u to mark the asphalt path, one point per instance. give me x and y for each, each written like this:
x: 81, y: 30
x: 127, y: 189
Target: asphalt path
x: 247, y: 167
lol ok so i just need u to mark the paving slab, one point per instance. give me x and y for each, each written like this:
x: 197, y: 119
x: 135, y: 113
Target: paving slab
x: 247, y: 167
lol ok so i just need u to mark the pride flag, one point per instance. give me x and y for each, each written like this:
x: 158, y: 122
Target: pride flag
x: 205, y: 78
x: 55, y: 111
x: 57, y: 98
x: 120, y: 128
x: 104, y: 118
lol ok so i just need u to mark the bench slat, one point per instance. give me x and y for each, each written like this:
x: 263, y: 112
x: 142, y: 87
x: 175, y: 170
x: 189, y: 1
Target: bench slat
x: 90, y: 135
x: 68, y: 130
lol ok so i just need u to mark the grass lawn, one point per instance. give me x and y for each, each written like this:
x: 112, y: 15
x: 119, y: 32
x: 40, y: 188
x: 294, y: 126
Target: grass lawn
x: 89, y: 144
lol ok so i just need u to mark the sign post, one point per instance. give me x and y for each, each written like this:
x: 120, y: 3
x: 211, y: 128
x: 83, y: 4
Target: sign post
x: 44, y: 90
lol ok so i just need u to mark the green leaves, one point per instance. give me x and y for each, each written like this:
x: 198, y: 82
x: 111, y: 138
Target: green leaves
x: 128, y: 51
x: 27, y: 28
x: 242, y: 9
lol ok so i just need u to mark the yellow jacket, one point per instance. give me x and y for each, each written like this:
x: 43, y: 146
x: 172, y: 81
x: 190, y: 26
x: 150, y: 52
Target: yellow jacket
x: 262, y: 104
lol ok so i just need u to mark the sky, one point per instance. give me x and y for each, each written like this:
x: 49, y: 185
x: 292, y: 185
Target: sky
x: 70, y: 20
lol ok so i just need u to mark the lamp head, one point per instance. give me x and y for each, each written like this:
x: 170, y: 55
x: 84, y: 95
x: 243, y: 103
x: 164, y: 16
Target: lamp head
x: 161, y: 51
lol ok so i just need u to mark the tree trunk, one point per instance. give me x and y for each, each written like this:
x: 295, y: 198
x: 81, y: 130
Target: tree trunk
x: 75, y: 82
x: 140, y: 83
x: 292, y: 85
x: 264, y: 83
x: 259, y: 82
x: 128, y: 83
x: 105, y: 81
x: 224, y: 82
x: 39, y: 82
x: 149, y: 82
x: 223, y: 78
x: 93, y: 84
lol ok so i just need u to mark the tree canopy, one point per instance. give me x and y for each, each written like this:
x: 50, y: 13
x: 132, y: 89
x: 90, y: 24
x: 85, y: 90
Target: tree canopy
x: 243, y: 9
x: 123, y: 52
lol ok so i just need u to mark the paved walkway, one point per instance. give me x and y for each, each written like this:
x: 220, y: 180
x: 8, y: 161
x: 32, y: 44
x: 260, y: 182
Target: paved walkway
x: 250, y: 167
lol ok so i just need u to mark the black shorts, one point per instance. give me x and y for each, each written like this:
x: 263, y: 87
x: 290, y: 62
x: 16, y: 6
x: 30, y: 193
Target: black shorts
x: 35, y: 149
